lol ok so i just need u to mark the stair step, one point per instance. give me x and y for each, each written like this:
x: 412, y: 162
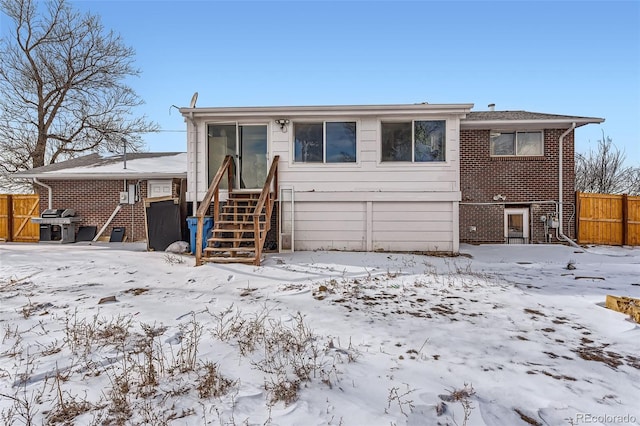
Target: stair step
x: 228, y: 251
x: 249, y: 199
x: 230, y: 239
x: 238, y: 222
x: 239, y: 248
x: 243, y: 214
x: 247, y: 260
x: 245, y: 192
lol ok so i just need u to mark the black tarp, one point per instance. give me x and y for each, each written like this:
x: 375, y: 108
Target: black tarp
x: 163, y: 223
x: 86, y: 233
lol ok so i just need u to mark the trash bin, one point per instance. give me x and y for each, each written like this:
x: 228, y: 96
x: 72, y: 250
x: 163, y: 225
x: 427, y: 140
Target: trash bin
x: 207, y: 228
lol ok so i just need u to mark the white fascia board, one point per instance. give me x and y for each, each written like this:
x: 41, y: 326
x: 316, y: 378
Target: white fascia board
x: 99, y: 176
x: 529, y: 124
x: 361, y: 196
x: 328, y: 111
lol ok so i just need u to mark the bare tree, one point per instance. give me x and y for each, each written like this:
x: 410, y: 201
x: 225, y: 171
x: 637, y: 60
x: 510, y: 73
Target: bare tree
x: 635, y: 181
x: 604, y: 171
x: 62, y: 87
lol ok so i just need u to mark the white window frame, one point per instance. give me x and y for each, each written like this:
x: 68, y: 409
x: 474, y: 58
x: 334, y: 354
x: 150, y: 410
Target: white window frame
x: 413, y: 142
x: 515, y: 153
x: 324, y: 143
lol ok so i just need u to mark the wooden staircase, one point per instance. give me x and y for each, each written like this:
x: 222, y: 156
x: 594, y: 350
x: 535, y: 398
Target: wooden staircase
x: 241, y: 224
x: 233, y: 239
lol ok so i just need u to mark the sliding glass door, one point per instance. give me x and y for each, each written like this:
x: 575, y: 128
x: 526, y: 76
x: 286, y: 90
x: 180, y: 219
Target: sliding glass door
x: 247, y: 144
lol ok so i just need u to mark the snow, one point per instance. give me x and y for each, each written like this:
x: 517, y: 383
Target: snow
x: 169, y: 164
x: 390, y: 339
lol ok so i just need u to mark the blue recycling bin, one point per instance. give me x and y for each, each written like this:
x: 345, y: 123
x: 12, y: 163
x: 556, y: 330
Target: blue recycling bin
x: 207, y: 228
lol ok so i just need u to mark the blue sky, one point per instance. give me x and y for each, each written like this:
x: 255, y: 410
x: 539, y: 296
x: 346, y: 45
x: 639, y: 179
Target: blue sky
x: 564, y: 57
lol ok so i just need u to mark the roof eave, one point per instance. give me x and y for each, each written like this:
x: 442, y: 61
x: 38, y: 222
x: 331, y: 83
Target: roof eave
x: 327, y: 111
x: 98, y: 176
x: 542, y: 124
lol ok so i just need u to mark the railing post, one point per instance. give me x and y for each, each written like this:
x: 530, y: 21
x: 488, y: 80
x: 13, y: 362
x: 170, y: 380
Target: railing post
x: 216, y: 205
x: 230, y: 169
x: 212, y: 193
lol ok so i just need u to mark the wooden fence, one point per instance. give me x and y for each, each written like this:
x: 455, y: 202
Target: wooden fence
x: 608, y: 219
x: 16, y: 211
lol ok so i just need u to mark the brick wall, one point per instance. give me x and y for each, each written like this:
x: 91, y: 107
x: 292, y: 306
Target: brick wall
x: 95, y: 201
x: 522, y: 180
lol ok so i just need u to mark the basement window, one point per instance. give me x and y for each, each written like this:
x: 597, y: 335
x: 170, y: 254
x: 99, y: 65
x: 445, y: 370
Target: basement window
x: 516, y: 144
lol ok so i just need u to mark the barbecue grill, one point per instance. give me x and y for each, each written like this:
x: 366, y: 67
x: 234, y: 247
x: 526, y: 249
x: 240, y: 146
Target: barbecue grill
x: 57, y: 225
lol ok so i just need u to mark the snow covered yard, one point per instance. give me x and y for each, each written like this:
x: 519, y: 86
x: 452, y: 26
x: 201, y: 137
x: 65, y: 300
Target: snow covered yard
x: 503, y: 335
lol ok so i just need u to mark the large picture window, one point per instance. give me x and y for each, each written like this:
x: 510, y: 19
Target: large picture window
x: 516, y: 143
x: 415, y: 141
x: 327, y: 142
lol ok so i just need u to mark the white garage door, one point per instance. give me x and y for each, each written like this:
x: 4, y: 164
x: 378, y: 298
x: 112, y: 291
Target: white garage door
x: 159, y: 188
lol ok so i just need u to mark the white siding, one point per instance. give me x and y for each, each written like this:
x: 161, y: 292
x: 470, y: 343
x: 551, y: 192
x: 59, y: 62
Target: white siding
x: 197, y: 161
x: 330, y: 226
x: 368, y: 173
x: 413, y: 226
x: 388, y: 226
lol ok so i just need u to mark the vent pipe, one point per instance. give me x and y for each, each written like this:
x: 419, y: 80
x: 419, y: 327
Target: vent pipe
x: 124, y: 145
x: 492, y: 107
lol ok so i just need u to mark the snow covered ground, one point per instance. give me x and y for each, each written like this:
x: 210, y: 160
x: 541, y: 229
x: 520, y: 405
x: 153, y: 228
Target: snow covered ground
x: 502, y: 335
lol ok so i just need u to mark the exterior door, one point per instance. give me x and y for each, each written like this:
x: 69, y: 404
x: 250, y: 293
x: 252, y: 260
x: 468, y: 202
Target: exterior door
x: 247, y: 144
x: 516, y: 226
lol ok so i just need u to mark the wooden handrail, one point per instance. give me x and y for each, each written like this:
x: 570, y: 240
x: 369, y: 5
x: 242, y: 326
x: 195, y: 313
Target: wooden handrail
x: 265, y: 198
x: 212, y: 192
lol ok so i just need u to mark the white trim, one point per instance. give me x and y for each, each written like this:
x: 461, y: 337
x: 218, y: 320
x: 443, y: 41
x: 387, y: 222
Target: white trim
x: 322, y: 164
x: 532, y: 124
x: 100, y: 176
x: 525, y: 221
x: 324, y: 196
x: 398, y: 110
x: 413, y: 142
x: 369, y: 226
x: 515, y: 132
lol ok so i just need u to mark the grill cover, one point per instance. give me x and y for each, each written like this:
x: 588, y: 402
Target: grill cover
x: 52, y: 213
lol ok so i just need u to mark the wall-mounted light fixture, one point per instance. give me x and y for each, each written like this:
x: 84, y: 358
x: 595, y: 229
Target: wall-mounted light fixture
x: 499, y: 197
x: 282, y: 122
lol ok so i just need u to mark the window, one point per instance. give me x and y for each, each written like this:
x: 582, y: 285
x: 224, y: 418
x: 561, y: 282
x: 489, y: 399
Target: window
x: 516, y: 143
x: 417, y: 141
x: 328, y: 142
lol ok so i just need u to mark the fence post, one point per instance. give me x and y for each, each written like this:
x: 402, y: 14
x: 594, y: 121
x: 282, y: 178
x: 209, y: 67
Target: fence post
x: 578, y: 201
x: 625, y: 219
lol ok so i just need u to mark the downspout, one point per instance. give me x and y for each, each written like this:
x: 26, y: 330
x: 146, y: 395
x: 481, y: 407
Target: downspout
x: 559, y: 206
x: 37, y: 182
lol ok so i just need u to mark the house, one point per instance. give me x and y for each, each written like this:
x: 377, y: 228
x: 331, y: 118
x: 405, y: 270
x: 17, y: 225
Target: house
x: 108, y: 191
x: 415, y: 177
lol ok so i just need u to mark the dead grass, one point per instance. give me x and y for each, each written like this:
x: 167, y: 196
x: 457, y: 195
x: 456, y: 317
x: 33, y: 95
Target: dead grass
x: 527, y: 419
